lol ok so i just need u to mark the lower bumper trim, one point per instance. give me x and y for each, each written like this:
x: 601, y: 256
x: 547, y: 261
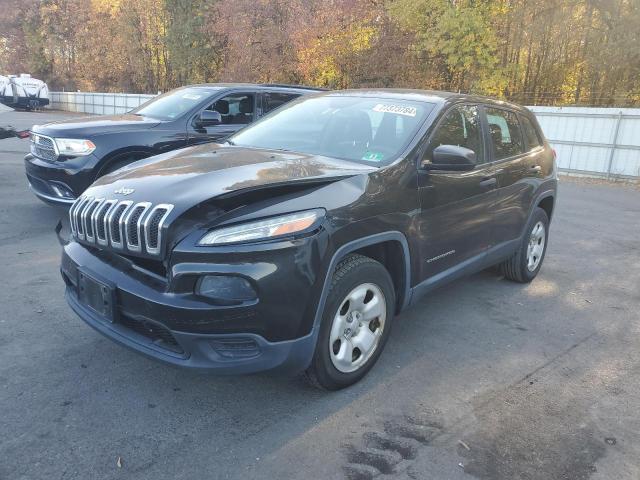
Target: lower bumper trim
x: 51, y: 198
x: 228, y: 354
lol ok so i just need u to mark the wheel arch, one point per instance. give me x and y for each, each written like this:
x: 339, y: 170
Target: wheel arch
x: 547, y: 203
x: 544, y: 200
x: 386, y: 248
x: 368, y: 243
x: 120, y: 153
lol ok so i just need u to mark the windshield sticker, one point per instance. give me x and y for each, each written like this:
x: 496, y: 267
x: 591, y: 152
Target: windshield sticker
x: 372, y: 156
x: 398, y: 109
x: 191, y: 96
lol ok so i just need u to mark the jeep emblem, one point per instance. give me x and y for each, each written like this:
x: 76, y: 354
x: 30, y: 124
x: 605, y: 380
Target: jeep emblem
x: 124, y: 191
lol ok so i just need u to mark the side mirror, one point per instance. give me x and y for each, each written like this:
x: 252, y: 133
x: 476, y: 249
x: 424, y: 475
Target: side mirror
x: 451, y: 158
x: 208, y: 118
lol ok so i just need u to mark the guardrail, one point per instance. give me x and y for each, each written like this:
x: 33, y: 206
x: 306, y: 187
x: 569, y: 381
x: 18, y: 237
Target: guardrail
x: 600, y: 142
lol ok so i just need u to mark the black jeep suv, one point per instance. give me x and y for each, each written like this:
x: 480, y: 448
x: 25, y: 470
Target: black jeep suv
x: 293, y: 245
x: 67, y: 156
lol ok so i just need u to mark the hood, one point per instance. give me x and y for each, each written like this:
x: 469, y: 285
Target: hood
x: 187, y: 177
x: 95, y: 125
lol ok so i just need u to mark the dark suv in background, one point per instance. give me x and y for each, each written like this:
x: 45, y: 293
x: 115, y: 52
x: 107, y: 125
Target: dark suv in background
x: 68, y: 155
x: 295, y: 244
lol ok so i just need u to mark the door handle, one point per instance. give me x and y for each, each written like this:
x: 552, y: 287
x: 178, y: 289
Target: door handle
x: 488, y: 181
x: 535, y: 168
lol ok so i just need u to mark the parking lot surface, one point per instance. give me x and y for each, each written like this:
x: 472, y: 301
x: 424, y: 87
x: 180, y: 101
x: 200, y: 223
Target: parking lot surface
x: 483, y: 379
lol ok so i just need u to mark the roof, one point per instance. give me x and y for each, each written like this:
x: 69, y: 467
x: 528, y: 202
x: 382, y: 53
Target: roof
x: 432, y: 96
x: 255, y: 85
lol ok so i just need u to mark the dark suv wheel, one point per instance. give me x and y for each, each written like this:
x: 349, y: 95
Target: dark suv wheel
x: 525, y: 264
x: 355, y: 325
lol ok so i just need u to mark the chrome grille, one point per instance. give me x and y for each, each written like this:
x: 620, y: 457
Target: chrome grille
x: 123, y: 225
x: 43, y: 147
x: 153, y: 227
x: 100, y: 226
x: 87, y: 219
x: 114, y: 223
x: 132, y: 225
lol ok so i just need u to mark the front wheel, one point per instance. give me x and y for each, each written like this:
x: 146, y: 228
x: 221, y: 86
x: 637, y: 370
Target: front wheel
x: 355, y: 324
x: 525, y: 264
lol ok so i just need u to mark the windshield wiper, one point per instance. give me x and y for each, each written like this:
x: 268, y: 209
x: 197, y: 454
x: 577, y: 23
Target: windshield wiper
x: 230, y: 142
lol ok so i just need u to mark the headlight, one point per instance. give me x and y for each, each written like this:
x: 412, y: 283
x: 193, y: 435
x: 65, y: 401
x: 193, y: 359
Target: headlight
x: 74, y: 147
x: 263, y: 229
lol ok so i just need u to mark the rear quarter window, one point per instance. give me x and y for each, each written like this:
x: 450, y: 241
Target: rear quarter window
x: 504, y: 133
x: 530, y: 133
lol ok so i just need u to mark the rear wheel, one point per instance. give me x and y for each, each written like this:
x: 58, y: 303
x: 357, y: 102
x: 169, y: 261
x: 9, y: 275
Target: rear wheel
x: 525, y: 264
x: 355, y: 325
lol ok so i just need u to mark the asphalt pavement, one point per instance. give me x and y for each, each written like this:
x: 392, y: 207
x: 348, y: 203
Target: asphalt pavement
x: 483, y: 379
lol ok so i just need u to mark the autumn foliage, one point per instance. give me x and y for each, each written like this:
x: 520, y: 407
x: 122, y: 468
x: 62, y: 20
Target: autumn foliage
x: 531, y: 51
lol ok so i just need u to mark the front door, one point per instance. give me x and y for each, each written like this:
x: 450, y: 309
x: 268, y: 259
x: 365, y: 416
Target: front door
x: 236, y: 109
x: 456, y: 207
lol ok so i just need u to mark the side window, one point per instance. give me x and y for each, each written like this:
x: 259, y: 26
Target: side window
x: 505, y: 135
x: 273, y: 100
x: 236, y: 108
x: 530, y: 133
x: 461, y: 127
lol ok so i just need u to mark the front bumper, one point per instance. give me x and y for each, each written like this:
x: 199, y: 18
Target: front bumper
x: 48, y: 179
x: 213, y: 353
x: 182, y: 329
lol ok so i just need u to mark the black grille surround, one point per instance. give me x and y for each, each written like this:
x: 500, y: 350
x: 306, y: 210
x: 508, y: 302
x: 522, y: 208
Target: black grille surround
x: 122, y: 225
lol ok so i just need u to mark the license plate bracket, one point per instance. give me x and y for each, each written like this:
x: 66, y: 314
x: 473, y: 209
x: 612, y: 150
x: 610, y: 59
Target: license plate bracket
x: 99, y: 296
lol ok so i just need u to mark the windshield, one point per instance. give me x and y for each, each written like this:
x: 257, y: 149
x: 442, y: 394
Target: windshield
x: 173, y: 104
x: 373, y: 131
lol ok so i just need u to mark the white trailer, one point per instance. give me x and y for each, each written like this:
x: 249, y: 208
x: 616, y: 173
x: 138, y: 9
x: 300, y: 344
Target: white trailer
x: 4, y: 89
x: 23, y: 91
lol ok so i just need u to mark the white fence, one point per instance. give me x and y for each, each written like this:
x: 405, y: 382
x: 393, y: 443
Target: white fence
x: 603, y: 142
x: 594, y: 141
x: 97, y: 103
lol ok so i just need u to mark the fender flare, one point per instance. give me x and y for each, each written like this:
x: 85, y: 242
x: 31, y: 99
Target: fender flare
x: 108, y: 159
x: 345, y: 250
x: 541, y: 196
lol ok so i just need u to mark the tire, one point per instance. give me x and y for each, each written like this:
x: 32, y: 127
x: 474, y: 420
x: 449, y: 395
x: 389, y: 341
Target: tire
x: 524, y: 264
x: 353, y: 330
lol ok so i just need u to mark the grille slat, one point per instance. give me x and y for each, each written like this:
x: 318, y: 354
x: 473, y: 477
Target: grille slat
x: 88, y: 218
x: 153, y: 227
x: 132, y: 226
x: 114, y: 222
x: 122, y: 225
x: 133, y: 223
x: 80, y: 217
x: 100, y: 222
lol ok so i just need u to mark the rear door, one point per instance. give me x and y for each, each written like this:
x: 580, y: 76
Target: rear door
x: 456, y: 207
x: 237, y: 109
x: 515, y: 166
